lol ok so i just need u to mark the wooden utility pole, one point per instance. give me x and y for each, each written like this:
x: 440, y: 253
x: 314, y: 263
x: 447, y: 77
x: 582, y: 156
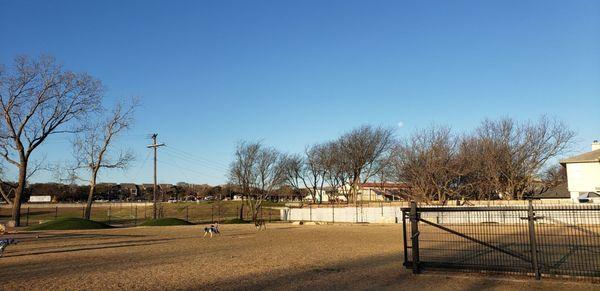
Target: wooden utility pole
x: 155, y: 146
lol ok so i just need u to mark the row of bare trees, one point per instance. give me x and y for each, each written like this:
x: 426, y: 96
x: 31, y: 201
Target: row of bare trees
x: 352, y: 159
x: 40, y: 99
x: 500, y: 159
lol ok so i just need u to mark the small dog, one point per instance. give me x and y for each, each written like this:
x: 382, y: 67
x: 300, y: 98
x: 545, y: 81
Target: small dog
x: 260, y: 224
x: 4, y: 243
x: 214, y: 228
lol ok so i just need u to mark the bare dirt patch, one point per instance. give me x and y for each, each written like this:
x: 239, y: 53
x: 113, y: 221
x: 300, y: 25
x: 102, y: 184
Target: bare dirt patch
x: 284, y: 256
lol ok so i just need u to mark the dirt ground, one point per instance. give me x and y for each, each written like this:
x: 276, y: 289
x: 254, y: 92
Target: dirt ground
x: 283, y: 257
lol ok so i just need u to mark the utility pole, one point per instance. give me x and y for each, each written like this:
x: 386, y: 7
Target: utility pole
x: 155, y: 146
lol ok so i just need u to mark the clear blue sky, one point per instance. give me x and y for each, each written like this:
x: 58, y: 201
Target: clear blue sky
x: 293, y: 73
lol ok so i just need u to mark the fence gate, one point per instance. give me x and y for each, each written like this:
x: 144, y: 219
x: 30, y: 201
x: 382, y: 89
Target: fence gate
x: 532, y: 240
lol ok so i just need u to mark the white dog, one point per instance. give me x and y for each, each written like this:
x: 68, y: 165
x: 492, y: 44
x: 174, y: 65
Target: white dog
x: 214, y: 228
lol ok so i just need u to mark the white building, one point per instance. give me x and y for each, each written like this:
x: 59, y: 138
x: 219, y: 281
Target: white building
x: 583, y: 173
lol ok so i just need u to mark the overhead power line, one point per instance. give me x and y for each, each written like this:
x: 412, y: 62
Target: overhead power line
x: 193, y: 156
x: 194, y: 162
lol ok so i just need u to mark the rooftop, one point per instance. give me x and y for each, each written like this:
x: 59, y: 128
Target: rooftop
x: 589, y: 157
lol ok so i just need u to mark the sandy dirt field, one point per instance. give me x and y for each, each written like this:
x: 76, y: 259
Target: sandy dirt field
x: 283, y: 257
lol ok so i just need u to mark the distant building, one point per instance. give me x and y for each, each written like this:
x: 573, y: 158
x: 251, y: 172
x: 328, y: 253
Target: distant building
x: 40, y: 199
x: 377, y: 191
x: 583, y: 174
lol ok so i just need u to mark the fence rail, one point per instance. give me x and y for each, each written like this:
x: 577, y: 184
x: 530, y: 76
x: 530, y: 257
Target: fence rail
x: 538, y: 240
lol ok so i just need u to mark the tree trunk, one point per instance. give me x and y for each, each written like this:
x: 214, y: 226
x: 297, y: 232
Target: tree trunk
x: 16, y: 211
x: 242, y: 209
x: 355, y: 182
x: 88, y: 207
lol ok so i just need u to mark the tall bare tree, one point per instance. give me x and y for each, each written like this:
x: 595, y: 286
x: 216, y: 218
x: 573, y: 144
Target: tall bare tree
x: 257, y: 170
x: 94, y: 147
x: 427, y: 162
x: 38, y: 98
x: 522, y: 150
x: 337, y: 170
x: 291, y: 166
x: 364, y: 147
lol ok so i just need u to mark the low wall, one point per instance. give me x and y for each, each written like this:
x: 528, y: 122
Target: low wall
x: 385, y: 214
x: 574, y: 214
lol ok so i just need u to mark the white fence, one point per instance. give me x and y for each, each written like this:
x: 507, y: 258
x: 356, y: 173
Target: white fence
x: 385, y: 214
x: 562, y: 214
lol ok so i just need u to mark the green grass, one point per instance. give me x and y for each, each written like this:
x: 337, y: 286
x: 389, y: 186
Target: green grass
x: 69, y: 223
x: 165, y: 222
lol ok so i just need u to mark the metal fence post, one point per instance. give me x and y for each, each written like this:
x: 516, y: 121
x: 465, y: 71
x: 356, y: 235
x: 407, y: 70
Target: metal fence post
x: 56, y: 213
x: 532, y: 243
x: 414, y: 232
x: 108, y: 214
x: 187, y: 213
x: 212, y: 213
x: 135, y: 221
x: 310, y: 212
x: 404, y: 238
x: 27, y: 221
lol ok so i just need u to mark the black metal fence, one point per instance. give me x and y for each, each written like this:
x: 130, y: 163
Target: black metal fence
x: 537, y: 240
x: 133, y: 214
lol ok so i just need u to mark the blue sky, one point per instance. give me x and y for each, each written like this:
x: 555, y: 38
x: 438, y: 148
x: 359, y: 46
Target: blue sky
x: 292, y: 73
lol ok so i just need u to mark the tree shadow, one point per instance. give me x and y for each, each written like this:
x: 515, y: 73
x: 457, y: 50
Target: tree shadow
x: 87, y: 247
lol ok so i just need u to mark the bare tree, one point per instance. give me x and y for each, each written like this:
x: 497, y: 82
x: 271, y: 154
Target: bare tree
x: 257, y: 170
x: 364, y: 147
x: 291, y: 166
x: 427, y: 161
x: 39, y: 99
x: 337, y: 170
x: 522, y: 150
x: 501, y: 159
x: 307, y: 171
x: 269, y: 176
x: 93, y: 148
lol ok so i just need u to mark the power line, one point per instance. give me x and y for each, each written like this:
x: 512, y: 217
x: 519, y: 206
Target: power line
x: 195, y: 162
x: 198, y: 157
x: 143, y: 164
x: 188, y: 169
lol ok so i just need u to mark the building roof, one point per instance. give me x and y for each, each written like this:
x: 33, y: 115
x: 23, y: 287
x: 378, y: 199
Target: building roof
x: 383, y: 185
x: 589, y: 157
x: 559, y: 191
